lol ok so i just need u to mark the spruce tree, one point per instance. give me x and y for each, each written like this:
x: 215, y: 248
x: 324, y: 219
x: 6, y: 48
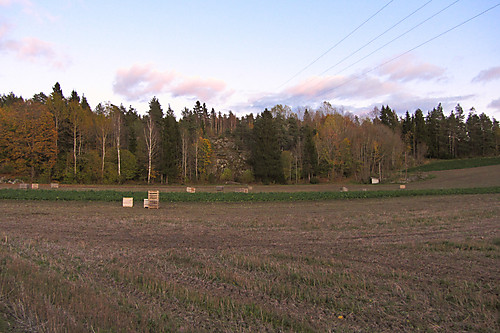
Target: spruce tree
x: 310, y: 162
x: 171, y: 147
x: 266, y: 155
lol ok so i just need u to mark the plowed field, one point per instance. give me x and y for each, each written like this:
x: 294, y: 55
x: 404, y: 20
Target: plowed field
x: 401, y: 264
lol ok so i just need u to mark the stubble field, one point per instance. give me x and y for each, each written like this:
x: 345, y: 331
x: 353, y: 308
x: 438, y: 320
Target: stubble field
x: 397, y: 264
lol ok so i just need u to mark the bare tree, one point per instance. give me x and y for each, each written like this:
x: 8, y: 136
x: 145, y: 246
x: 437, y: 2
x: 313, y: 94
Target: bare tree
x: 151, y: 137
x: 117, y: 126
x: 103, y: 127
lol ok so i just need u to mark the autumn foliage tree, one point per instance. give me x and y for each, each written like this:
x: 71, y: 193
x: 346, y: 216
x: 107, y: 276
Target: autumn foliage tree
x: 27, y: 139
x: 53, y: 137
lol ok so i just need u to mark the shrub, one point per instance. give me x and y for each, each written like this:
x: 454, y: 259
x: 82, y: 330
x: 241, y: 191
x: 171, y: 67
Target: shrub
x: 247, y: 176
x: 314, y: 180
x: 227, y: 175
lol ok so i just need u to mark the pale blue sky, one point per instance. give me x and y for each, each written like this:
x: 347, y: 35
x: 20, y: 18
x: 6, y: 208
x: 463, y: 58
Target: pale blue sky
x: 244, y: 55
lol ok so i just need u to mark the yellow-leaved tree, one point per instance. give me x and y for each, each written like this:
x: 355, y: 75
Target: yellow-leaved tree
x: 204, y: 157
x: 28, y: 139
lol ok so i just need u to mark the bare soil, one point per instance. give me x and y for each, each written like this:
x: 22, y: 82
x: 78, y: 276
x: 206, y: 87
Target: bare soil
x: 460, y: 178
x: 401, y: 264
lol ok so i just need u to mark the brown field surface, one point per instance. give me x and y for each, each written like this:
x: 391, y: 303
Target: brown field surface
x: 402, y: 264
x: 460, y: 178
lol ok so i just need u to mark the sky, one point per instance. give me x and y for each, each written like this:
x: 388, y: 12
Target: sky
x: 245, y: 56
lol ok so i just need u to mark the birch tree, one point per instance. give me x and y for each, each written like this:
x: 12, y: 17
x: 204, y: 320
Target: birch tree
x: 151, y: 137
x: 103, y: 127
x: 117, y: 129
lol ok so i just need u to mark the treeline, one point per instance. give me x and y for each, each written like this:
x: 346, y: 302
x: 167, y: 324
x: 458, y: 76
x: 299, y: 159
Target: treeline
x: 58, y: 138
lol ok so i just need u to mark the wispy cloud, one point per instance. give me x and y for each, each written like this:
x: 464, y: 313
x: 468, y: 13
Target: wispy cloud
x: 495, y: 104
x: 408, y: 68
x: 33, y: 50
x: 488, y: 75
x: 30, y: 48
x: 5, y: 3
x: 29, y: 8
x: 4, y: 27
x: 354, y: 93
x: 141, y: 82
x: 338, y: 88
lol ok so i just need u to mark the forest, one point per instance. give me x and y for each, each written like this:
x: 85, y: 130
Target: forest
x: 57, y: 138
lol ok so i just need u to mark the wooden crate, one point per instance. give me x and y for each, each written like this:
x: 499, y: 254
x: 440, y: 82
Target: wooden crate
x: 219, y: 188
x: 402, y: 187
x: 153, y: 199
x: 34, y: 186
x: 190, y: 190
x: 146, y: 203
x: 54, y: 185
x: 242, y: 190
x: 128, y: 202
x: 23, y: 186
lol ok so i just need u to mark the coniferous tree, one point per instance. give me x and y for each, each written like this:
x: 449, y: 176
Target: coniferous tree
x: 388, y: 117
x: 419, y: 135
x: 436, y: 133
x: 266, y: 157
x: 310, y: 154
x: 171, y: 147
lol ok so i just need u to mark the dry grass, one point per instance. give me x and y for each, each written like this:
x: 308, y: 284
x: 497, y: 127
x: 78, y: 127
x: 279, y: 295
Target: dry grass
x: 402, y: 264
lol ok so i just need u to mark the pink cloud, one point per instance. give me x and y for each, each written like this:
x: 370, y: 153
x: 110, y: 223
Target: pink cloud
x: 33, y: 49
x: 3, y: 31
x: 340, y: 87
x: 204, y: 89
x: 407, y: 69
x: 140, y: 82
x: 488, y: 75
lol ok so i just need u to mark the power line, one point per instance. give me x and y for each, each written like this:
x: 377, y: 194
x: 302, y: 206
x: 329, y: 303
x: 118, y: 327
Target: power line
x: 416, y: 47
x: 334, y: 46
x: 392, y: 40
x: 380, y: 35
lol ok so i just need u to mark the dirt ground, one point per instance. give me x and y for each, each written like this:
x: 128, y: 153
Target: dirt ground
x: 473, y: 177
x: 401, y: 264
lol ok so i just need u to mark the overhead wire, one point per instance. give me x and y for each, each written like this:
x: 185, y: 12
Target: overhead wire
x: 414, y: 48
x: 380, y: 35
x: 392, y: 40
x: 334, y: 46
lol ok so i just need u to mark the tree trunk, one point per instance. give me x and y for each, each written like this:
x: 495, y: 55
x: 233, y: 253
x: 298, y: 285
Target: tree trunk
x: 103, y: 155
x: 149, y: 165
x: 196, y: 161
x: 74, y: 149
x: 118, y: 145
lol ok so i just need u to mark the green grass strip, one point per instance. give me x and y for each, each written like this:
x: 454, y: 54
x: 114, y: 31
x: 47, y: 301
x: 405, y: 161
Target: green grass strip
x: 113, y: 196
x: 456, y: 164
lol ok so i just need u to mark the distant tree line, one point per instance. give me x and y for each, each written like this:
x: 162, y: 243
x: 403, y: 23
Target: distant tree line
x: 58, y: 138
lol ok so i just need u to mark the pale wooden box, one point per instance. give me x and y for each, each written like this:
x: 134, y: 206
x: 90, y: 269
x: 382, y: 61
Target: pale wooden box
x: 128, y: 202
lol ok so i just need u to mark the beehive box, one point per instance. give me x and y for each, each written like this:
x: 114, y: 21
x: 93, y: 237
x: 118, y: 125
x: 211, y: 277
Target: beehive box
x: 128, y: 202
x: 153, y: 199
